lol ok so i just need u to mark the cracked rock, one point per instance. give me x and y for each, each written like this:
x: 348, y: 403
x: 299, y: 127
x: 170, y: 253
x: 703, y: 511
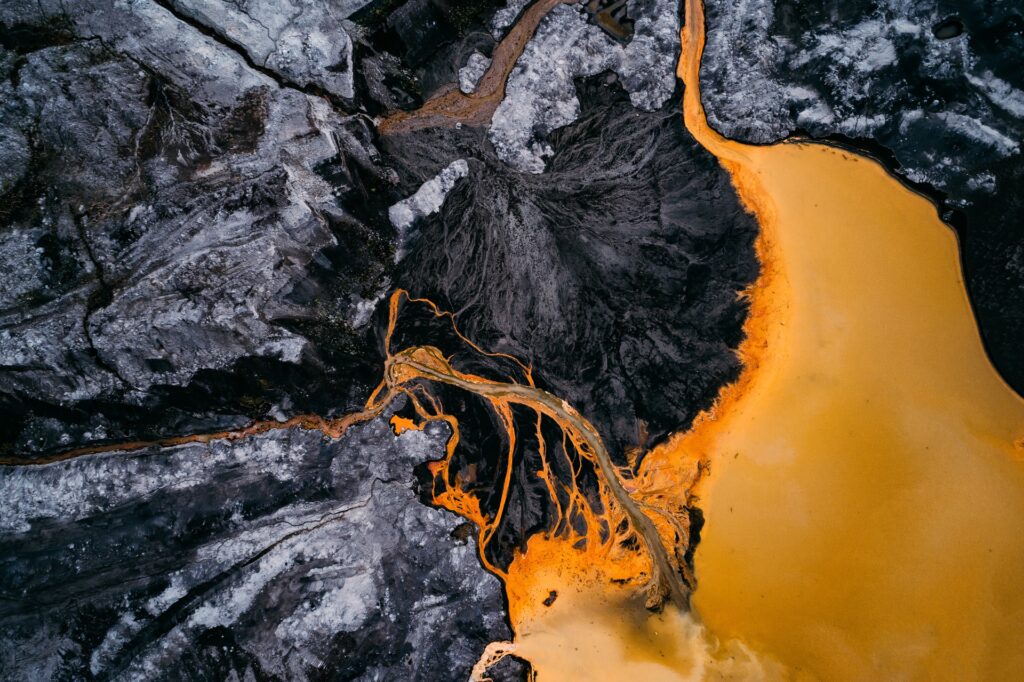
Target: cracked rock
x: 285, y: 556
x: 165, y: 209
x: 305, y: 42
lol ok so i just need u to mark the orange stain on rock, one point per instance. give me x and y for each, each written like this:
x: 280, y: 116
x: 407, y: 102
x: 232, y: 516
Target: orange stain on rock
x: 401, y: 424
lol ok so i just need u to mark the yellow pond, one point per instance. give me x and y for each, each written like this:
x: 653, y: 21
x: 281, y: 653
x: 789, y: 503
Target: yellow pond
x: 865, y: 511
x: 865, y: 508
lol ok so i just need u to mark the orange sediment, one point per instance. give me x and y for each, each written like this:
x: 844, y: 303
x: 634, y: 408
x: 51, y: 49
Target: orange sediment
x: 333, y: 428
x: 606, y: 522
x: 451, y: 106
x: 402, y: 424
x: 580, y: 594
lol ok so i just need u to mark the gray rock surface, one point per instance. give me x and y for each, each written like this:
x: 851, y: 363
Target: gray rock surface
x: 181, y: 292
x: 303, y: 41
x: 165, y: 197
x: 469, y: 75
x: 540, y: 96
x: 506, y: 16
x: 863, y: 72
x: 425, y: 201
x: 282, y: 556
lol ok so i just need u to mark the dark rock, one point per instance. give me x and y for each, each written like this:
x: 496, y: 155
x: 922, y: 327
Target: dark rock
x: 284, y: 556
x: 614, y: 273
x: 168, y: 213
x: 948, y: 28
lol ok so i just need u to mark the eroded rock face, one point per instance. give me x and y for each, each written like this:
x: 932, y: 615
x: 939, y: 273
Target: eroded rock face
x: 935, y: 87
x: 283, y: 556
x: 170, y: 209
x: 304, y: 42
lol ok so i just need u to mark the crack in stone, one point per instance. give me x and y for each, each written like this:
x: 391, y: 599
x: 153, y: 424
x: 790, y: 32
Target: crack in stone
x: 105, y: 290
x: 282, y: 81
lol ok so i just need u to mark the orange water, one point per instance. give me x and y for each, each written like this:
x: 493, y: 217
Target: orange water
x: 865, y: 511
x: 865, y: 508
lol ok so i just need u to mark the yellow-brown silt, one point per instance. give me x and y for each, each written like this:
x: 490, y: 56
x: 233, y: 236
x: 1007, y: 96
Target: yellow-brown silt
x: 865, y: 508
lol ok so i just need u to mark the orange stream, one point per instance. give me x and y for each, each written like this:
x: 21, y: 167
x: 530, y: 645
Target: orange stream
x: 450, y: 106
x: 577, y: 595
x: 622, y: 523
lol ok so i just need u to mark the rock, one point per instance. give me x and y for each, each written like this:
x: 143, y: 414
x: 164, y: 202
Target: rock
x: 166, y: 206
x: 408, y: 51
x: 540, y: 96
x: 473, y: 71
x: 305, y: 42
x: 861, y: 74
x: 14, y: 157
x: 286, y: 556
x: 427, y: 200
x: 506, y: 17
x: 163, y: 273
